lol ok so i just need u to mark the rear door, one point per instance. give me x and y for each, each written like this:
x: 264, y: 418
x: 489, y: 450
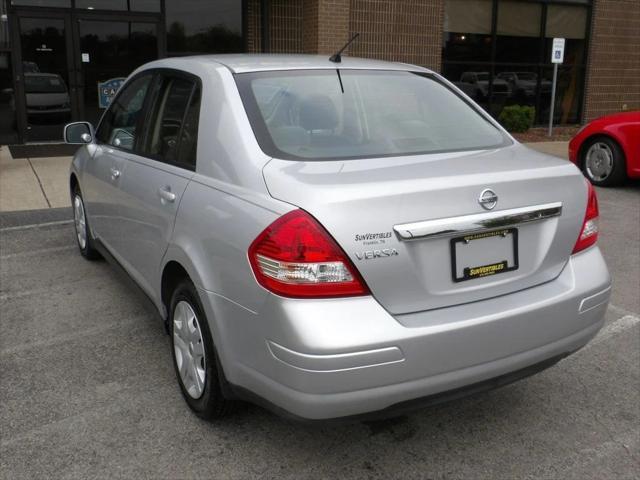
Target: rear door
x: 102, y: 178
x: 158, y: 175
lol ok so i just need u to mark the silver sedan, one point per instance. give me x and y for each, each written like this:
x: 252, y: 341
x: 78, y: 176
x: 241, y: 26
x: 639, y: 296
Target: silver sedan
x: 335, y: 238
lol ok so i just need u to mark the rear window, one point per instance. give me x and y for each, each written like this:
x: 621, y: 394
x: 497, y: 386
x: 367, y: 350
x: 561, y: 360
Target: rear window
x: 318, y: 114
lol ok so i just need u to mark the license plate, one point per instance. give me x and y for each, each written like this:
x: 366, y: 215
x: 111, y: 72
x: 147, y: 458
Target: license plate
x: 484, y: 254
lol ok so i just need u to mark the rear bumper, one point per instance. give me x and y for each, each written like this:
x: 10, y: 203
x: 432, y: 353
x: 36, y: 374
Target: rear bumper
x: 321, y: 359
x: 413, y: 404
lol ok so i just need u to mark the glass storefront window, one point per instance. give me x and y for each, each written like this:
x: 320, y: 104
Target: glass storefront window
x: 569, y: 92
x: 42, y: 3
x: 144, y: 5
x: 78, y: 59
x: 506, y: 61
x: 194, y: 26
x: 566, y: 21
x: 133, y: 5
x: 102, y: 4
x: 518, y: 32
x: 569, y: 22
x: 467, y: 30
x: 114, y: 50
x: 4, y: 27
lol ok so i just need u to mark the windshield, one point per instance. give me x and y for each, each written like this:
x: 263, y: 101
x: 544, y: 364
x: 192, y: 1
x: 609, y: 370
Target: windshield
x: 527, y: 76
x: 315, y: 114
x: 44, y: 84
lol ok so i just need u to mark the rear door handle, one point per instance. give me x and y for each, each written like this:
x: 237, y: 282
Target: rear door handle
x: 166, y: 195
x: 115, y: 174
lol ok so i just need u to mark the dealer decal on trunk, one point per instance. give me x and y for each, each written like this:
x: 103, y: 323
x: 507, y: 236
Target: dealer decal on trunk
x: 376, y: 238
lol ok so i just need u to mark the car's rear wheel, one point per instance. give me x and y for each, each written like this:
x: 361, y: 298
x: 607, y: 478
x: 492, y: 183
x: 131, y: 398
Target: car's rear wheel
x: 194, y: 357
x: 603, y: 162
x: 83, y: 233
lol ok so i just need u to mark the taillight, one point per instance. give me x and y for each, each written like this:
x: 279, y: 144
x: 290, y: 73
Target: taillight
x: 296, y: 257
x: 589, y: 233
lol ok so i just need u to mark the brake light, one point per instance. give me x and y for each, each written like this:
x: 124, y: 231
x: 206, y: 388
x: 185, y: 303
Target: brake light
x: 296, y: 257
x: 589, y: 233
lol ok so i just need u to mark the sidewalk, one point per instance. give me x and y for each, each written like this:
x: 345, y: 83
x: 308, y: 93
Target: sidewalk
x: 42, y: 183
x: 33, y: 183
x: 559, y: 149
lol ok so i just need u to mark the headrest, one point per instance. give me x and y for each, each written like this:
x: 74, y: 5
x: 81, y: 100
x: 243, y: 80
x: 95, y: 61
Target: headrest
x: 318, y: 112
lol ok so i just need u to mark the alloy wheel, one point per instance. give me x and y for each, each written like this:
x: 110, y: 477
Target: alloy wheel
x: 80, y: 221
x: 599, y: 161
x: 189, y: 349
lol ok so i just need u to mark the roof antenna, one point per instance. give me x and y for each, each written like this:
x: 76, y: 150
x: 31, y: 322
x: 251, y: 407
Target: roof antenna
x: 337, y: 57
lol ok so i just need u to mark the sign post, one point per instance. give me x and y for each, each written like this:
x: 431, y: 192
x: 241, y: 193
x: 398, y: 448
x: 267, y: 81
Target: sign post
x: 557, y: 57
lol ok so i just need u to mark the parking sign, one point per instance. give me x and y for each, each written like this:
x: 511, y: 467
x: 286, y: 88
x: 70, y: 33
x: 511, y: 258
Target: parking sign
x: 557, y: 50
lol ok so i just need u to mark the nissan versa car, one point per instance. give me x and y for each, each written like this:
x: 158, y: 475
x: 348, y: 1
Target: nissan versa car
x: 336, y: 238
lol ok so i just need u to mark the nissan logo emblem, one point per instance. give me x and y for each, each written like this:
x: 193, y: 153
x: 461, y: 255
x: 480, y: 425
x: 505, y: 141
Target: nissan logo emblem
x: 488, y: 199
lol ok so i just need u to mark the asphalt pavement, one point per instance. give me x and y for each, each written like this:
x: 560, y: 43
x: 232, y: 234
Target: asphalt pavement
x: 87, y: 389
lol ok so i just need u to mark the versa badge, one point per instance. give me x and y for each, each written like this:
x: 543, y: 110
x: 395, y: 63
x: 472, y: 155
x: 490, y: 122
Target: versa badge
x: 370, y: 254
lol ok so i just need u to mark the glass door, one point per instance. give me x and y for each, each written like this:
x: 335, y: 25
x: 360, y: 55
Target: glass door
x: 8, y: 124
x: 71, y: 64
x: 43, y: 99
x: 108, y: 51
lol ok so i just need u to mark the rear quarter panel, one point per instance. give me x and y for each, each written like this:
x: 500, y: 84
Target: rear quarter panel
x: 212, y: 234
x: 215, y: 225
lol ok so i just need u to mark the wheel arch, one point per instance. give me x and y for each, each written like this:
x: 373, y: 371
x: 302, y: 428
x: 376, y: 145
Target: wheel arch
x: 73, y: 182
x: 172, y: 274
x: 176, y: 266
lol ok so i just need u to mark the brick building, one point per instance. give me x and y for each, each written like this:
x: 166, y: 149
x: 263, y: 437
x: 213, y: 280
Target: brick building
x: 497, y: 51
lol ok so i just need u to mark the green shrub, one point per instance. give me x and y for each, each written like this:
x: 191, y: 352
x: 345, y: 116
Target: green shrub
x: 517, y: 118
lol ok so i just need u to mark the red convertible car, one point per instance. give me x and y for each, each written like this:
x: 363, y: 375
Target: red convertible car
x: 607, y: 150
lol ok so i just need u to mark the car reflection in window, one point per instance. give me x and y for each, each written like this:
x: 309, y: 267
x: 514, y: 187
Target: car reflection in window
x: 47, y: 98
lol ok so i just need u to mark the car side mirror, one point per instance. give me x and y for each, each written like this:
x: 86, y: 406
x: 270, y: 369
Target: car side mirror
x: 78, y: 133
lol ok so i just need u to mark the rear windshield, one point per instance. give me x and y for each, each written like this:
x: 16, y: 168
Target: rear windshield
x: 318, y: 114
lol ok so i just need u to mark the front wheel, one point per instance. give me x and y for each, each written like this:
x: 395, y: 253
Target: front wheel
x: 194, y: 356
x: 83, y: 234
x: 603, y: 162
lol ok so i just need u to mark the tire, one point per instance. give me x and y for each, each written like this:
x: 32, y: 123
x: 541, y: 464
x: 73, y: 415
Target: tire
x: 81, y: 223
x: 602, y: 162
x: 201, y: 381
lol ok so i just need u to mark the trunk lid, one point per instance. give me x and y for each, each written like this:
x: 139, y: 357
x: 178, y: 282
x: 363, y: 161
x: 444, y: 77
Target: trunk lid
x: 361, y: 201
